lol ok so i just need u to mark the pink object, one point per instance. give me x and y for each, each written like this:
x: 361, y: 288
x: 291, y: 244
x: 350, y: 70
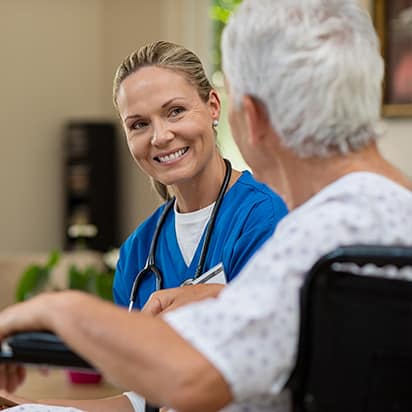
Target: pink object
x: 84, y: 377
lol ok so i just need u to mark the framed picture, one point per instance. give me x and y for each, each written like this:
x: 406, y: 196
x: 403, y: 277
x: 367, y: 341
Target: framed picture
x: 393, y: 22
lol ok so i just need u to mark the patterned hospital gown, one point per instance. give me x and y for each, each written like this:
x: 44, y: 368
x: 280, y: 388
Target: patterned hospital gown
x: 250, y: 332
x: 32, y: 407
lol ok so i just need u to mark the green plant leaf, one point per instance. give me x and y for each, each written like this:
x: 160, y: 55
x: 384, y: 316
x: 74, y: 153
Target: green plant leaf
x: 104, y: 286
x: 220, y: 14
x: 54, y: 258
x: 77, y: 279
x: 33, y: 281
x: 92, y: 281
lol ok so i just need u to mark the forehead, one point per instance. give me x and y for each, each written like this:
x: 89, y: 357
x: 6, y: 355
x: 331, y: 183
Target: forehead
x: 154, y: 84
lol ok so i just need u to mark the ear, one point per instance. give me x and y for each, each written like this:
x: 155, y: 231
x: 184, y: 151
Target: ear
x: 214, y: 104
x: 257, y: 119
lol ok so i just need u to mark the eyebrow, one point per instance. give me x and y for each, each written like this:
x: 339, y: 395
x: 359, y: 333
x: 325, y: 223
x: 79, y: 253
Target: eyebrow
x: 171, y: 101
x: 165, y: 104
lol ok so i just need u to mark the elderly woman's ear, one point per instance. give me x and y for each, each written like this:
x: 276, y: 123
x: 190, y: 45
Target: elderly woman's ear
x: 257, y: 119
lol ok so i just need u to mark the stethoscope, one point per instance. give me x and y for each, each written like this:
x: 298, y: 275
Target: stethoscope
x: 150, y: 267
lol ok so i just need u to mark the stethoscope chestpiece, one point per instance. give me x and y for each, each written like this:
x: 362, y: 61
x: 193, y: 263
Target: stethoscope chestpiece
x: 188, y: 282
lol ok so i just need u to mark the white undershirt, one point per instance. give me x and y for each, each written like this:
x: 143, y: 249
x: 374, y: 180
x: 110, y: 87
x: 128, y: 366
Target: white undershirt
x: 189, y: 229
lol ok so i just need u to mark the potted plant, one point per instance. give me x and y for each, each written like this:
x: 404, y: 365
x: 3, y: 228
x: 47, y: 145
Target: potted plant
x: 38, y: 278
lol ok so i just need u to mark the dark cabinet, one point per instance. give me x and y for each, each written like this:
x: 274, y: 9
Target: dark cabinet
x: 90, y: 186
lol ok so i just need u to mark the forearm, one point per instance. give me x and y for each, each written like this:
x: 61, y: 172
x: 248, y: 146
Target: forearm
x: 138, y: 352
x: 117, y: 403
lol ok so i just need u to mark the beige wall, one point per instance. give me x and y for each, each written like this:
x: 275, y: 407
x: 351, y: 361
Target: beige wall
x: 49, y: 72
x: 57, y: 62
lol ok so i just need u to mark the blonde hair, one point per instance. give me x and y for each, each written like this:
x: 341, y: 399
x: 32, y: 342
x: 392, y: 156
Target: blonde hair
x: 170, y: 56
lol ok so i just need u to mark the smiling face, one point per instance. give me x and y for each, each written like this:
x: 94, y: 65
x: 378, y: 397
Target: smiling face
x: 168, y: 126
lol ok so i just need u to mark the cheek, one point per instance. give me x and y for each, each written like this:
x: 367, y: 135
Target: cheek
x: 136, y: 147
x: 196, y: 131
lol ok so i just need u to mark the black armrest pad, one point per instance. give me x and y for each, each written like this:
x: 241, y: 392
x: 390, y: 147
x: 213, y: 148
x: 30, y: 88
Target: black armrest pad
x: 41, y: 347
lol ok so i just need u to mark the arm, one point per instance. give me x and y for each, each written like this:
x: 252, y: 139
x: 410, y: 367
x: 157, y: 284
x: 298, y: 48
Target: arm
x: 170, y: 299
x: 118, y: 403
x: 161, y: 366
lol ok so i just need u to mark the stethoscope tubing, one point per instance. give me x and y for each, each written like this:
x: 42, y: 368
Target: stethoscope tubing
x: 150, y: 266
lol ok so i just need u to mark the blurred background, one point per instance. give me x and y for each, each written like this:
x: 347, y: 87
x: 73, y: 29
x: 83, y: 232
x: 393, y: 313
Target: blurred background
x: 58, y: 59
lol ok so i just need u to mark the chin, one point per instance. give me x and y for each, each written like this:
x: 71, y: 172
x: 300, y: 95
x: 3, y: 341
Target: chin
x: 170, y: 178
x: 176, y: 175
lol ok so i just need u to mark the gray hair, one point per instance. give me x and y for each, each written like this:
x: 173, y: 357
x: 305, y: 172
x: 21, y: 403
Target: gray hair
x: 316, y: 67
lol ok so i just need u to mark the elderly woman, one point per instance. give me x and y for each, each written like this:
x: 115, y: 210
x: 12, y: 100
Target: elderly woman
x: 304, y: 80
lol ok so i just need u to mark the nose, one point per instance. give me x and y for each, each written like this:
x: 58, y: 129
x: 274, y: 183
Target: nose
x: 162, y: 135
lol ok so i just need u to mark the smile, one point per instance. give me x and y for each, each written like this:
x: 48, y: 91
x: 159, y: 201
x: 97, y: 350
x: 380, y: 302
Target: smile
x: 172, y: 156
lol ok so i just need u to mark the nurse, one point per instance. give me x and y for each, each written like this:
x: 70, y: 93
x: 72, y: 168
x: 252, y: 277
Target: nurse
x: 169, y: 112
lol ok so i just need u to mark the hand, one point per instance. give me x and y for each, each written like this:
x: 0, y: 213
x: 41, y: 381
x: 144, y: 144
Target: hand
x: 33, y: 314
x: 11, y: 376
x: 23, y: 316
x: 7, y: 398
x: 170, y: 299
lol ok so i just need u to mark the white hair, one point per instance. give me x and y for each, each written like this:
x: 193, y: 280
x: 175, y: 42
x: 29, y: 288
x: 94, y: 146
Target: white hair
x: 316, y: 67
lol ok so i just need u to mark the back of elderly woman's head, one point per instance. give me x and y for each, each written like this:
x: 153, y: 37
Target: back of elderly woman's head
x: 314, y: 64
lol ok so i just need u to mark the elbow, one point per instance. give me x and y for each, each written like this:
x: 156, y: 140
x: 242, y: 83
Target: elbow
x: 203, y: 388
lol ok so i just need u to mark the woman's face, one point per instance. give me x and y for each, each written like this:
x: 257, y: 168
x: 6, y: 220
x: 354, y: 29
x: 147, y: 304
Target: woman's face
x: 168, y: 126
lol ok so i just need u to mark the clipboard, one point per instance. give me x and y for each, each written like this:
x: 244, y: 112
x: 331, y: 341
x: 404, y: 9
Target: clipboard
x: 214, y: 275
x: 40, y: 348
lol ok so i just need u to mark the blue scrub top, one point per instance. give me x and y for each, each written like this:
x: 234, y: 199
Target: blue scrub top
x: 247, y: 217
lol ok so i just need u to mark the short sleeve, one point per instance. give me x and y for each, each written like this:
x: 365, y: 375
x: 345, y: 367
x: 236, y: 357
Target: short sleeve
x: 249, y: 333
x: 138, y: 403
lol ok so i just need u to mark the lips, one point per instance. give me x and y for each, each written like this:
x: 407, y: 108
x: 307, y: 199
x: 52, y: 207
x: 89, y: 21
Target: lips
x: 171, y: 156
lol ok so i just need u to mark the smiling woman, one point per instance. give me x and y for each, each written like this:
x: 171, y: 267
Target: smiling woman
x: 169, y: 130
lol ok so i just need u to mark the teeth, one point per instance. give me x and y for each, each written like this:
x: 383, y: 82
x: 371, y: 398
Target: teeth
x: 172, y: 156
